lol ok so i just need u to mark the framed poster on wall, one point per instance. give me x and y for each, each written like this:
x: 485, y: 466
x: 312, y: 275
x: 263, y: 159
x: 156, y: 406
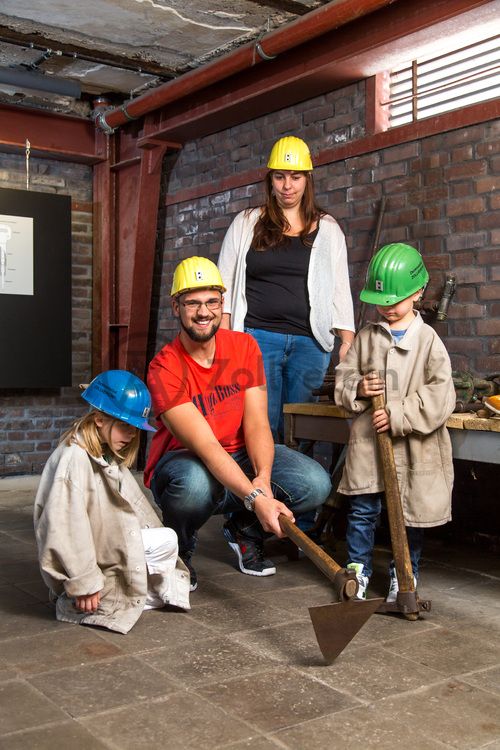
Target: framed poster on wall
x: 35, y: 289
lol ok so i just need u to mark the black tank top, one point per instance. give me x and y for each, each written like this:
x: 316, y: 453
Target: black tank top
x: 276, y: 287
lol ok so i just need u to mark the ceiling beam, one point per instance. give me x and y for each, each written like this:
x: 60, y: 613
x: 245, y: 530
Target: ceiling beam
x: 50, y: 135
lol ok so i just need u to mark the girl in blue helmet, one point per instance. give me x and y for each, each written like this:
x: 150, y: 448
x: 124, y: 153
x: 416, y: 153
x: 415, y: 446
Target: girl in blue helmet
x: 103, y: 552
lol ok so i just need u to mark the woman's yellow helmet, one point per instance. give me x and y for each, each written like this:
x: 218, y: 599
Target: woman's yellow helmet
x: 290, y: 153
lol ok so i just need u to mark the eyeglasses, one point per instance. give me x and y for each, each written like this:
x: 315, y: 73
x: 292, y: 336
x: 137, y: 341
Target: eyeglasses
x: 194, y: 305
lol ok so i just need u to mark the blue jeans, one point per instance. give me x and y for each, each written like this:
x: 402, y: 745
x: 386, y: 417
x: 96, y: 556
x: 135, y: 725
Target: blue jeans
x: 294, y: 365
x: 188, y: 494
x: 362, y: 520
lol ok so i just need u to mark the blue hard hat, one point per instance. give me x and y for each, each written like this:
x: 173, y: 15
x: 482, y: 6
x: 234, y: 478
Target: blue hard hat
x: 122, y: 395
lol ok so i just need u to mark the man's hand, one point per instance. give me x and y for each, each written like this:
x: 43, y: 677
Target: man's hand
x: 370, y: 385
x: 88, y: 603
x: 380, y: 420
x: 267, y: 510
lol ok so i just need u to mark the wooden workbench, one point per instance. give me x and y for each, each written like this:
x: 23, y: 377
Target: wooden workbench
x: 473, y: 438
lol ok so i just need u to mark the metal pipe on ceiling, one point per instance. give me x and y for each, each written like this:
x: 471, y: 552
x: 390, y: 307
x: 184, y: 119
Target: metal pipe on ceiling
x: 314, y: 24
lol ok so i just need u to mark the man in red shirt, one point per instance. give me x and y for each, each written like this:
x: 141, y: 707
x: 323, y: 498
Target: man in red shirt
x: 213, y: 451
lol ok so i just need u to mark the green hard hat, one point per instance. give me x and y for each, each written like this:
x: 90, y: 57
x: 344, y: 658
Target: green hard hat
x: 395, y: 272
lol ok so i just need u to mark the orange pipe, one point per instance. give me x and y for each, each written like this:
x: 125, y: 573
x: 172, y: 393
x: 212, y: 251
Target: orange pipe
x: 314, y: 24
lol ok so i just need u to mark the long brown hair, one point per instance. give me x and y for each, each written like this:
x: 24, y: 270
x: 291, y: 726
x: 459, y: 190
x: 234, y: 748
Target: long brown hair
x: 84, y: 433
x: 271, y: 227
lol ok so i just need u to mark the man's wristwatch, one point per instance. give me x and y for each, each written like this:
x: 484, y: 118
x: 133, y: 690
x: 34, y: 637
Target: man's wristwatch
x: 249, y: 500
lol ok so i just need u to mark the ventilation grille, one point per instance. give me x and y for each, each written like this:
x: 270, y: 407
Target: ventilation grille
x: 431, y: 86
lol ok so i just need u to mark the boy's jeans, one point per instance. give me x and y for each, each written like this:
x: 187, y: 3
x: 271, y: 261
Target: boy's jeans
x: 188, y: 494
x: 362, y: 520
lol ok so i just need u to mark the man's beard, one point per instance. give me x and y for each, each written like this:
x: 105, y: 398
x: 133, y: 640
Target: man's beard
x: 201, y: 337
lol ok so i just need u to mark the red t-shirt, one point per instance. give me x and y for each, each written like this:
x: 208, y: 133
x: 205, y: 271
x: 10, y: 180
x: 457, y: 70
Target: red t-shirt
x: 218, y: 392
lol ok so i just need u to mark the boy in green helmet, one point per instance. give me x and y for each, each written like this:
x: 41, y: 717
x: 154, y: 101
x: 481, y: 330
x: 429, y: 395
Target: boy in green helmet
x: 405, y: 360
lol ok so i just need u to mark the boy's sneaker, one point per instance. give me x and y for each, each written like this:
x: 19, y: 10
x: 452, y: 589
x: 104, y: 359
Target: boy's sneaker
x: 249, y: 551
x: 394, y: 586
x: 193, y: 578
x: 362, y: 580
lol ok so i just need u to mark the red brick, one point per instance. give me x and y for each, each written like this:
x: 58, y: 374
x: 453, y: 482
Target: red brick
x: 488, y: 327
x: 364, y: 192
x: 462, y: 327
x: 437, y: 262
x: 489, y: 291
x: 466, y: 311
x: 487, y: 257
x: 494, y: 345
x: 488, y: 147
x: 487, y: 184
x: 490, y: 364
x: 467, y: 275
x: 401, y: 185
x: 404, y: 151
x: 470, y: 206
x: 465, y: 294
x: 490, y: 220
x: 464, y: 344
x: 465, y: 241
x: 431, y: 213
x: 494, y: 201
x: 495, y: 273
x: 462, y: 153
x: 363, y: 162
x: 464, y: 225
x: 470, y: 169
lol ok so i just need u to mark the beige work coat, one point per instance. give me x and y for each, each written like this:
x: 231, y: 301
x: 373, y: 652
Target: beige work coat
x: 88, y: 518
x: 420, y: 397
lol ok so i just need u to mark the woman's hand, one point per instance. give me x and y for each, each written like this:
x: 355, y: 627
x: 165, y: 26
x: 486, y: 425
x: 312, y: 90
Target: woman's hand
x: 88, y: 603
x: 371, y: 385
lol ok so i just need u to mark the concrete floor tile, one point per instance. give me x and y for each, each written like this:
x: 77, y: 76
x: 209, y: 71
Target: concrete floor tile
x: 487, y: 679
x: 448, y: 651
x: 232, y: 615
x: 294, y: 643
x: 20, y: 571
x: 450, y: 714
x: 92, y: 688
x: 156, y: 629
x: 56, y: 737
x: 297, y: 600
x: 22, y: 614
x: 277, y: 698
x: 180, y: 720
x: 371, y: 672
x: 7, y: 672
x: 255, y: 743
x: 67, y: 646
x: 22, y: 707
x: 212, y: 659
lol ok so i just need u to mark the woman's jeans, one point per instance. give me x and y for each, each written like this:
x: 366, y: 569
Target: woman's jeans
x: 294, y: 365
x: 362, y: 520
x: 188, y: 494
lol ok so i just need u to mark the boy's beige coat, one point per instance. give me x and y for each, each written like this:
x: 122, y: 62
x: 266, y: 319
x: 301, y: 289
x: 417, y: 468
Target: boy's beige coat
x: 88, y: 518
x: 419, y: 399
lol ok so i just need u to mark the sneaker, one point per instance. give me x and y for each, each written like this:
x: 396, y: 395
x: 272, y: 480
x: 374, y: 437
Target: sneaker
x: 249, y: 551
x: 394, y: 587
x: 193, y: 578
x: 362, y: 580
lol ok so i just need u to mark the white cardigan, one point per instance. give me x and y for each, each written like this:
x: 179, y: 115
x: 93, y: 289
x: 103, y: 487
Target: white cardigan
x: 327, y: 280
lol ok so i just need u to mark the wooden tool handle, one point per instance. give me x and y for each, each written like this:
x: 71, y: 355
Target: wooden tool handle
x: 399, y: 539
x: 318, y: 556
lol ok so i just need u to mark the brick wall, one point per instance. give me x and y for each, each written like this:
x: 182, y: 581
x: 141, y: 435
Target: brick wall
x: 442, y: 196
x: 31, y: 421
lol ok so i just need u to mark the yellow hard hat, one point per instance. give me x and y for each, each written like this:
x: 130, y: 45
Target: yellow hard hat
x: 290, y: 153
x: 196, y: 273
x: 493, y: 403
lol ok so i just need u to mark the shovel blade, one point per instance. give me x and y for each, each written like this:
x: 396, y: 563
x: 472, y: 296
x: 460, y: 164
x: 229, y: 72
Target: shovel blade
x: 336, y: 624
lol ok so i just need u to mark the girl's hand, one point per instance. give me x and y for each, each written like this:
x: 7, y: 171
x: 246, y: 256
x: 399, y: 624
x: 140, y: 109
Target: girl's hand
x: 88, y: 603
x: 380, y: 420
x: 370, y: 385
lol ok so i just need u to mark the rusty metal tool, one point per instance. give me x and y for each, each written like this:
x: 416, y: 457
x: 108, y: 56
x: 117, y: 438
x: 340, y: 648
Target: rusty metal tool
x: 337, y: 623
x: 407, y: 601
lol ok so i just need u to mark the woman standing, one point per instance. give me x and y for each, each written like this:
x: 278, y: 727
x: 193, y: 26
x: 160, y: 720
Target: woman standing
x: 285, y: 268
